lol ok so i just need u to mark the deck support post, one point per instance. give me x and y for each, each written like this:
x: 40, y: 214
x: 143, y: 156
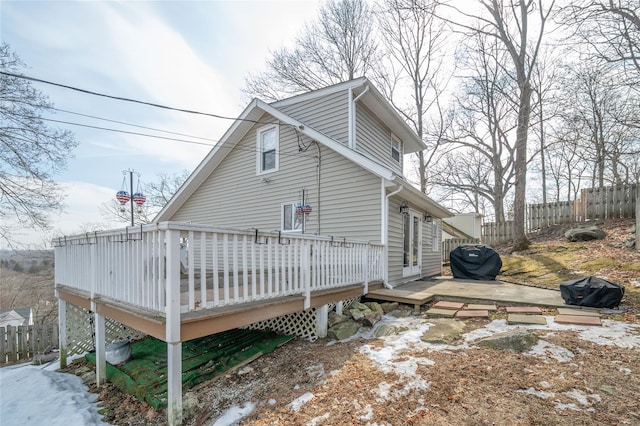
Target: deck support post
x: 62, y: 331
x: 101, y: 358
x: 322, y: 321
x: 339, y: 307
x: 174, y: 344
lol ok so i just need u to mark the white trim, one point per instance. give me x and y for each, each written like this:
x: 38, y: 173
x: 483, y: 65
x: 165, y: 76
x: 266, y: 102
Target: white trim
x: 293, y: 218
x: 320, y: 92
x: 259, y: 132
x: 400, y: 149
x: 415, y: 219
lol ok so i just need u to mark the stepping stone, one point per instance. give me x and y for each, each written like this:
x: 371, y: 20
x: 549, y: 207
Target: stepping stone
x: 472, y: 314
x: 480, y: 307
x: 526, y: 319
x: 448, y: 305
x: 524, y: 310
x: 441, y: 312
x: 581, y: 312
x: 577, y: 320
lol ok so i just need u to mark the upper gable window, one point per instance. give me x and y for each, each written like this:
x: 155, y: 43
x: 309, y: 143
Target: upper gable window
x: 396, y: 149
x: 268, y: 146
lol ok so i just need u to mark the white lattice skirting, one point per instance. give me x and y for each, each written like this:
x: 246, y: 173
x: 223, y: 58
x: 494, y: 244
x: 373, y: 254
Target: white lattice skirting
x: 301, y: 324
x: 81, y: 330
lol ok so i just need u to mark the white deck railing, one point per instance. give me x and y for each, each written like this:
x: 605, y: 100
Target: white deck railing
x: 218, y: 267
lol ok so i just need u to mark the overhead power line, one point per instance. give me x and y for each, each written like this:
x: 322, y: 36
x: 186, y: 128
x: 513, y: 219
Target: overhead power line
x: 134, y: 125
x: 120, y: 98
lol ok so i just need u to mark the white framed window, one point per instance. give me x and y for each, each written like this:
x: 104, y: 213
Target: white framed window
x: 290, y: 221
x: 267, y: 150
x: 396, y: 149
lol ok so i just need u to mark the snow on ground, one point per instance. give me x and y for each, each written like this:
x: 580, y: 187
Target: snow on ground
x: 40, y: 395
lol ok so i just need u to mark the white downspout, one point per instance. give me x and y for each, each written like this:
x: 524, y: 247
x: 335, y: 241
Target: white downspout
x: 385, y: 228
x: 351, y: 135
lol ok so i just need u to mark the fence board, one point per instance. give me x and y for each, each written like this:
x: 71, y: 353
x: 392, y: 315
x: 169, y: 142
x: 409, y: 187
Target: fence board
x: 24, y: 342
x: 610, y: 202
x: 452, y: 243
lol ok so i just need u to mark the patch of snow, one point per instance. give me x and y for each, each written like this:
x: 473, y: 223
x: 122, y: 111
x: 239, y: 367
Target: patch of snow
x: 538, y: 393
x: 613, y: 333
x: 40, y: 395
x: 383, y: 391
x: 296, y: 387
x: 545, y: 384
x: 563, y: 407
x: 299, y: 402
x: 232, y: 415
x: 544, y: 349
x: 581, y: 397
x: 635, y: 283
x: 271, y: 401
x: 367, y: 413
x: 626, y: 371
x: 316, y: 370
x: 319, y: 419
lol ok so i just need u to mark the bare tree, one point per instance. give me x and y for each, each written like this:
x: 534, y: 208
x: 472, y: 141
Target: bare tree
x: 31, y: 154
x: 158, y: 193
x: 415, y: 39
x: 612, y: 29
x: 509, y: 23
x: 337, y: 47
x: 483, y: 125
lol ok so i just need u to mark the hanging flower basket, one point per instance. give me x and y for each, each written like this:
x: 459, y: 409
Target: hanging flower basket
x: 139, y: 198
x: 123, y: 197
x: 306, y: 209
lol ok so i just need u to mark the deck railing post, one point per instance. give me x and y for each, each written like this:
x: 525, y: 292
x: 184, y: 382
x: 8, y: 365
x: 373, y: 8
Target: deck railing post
x: 174, y: 345
x: 305, y: 266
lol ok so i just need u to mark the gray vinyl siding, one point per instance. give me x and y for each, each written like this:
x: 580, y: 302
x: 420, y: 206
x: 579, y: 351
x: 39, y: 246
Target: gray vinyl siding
x: 234, y: 196
x: 395, y: 243
x: 373, y: 139
x: 328, y: 115
x: 431, y: 260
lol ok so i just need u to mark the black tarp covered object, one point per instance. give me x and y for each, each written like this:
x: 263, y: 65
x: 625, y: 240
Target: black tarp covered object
x: 475, y: 262
x: 592, y: 292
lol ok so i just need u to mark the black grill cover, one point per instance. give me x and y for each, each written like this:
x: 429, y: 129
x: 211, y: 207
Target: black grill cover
x: 476, y: 262
x: 591, y: 291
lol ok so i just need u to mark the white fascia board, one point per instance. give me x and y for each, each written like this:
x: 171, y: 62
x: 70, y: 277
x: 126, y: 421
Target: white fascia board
x: 422, y: 201
x: 320, y: 92
x: 346, y: 152
x: 230, y: 138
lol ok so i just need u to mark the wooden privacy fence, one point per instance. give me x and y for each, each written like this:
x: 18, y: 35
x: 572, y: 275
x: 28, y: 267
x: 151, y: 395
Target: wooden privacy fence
x: 609, y: 202
x: 26, y: 341
x: 452, y: 243
x: 497, y: 232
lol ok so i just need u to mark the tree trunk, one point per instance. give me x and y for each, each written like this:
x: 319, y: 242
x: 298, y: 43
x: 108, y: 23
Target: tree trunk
x: 520, y: 240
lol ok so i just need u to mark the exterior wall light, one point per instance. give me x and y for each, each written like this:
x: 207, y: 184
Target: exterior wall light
x: 427, y: 218
x: 404, y: 208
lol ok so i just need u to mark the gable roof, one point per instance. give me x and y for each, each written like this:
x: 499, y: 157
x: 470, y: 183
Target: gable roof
x: 370, y: 96
x: 257, y: 109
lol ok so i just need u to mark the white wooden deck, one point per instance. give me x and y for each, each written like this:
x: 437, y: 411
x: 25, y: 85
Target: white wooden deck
x: 179, y: 281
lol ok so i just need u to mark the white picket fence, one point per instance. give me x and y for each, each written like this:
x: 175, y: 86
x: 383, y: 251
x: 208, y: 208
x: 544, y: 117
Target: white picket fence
x: 218, y: 267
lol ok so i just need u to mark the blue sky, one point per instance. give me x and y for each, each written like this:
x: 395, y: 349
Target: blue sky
x: 192, y: 55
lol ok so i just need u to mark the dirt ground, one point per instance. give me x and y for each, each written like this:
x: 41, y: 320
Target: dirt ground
x: 598, y: 385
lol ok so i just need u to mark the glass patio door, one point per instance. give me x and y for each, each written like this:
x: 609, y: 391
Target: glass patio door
x: 412, y: 244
